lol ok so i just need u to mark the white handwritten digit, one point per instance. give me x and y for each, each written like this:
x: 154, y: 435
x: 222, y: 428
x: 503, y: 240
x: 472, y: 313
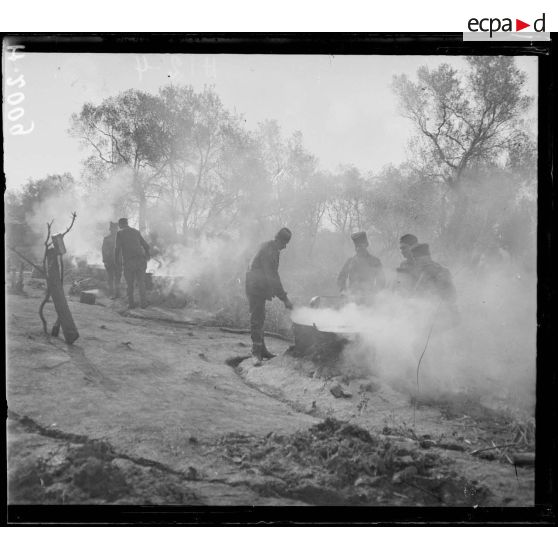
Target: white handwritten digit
x: 15, y: 114
x: 210, y: 67
x: 15, y: 55
x: 176, y: 64
x: 146, y: 66
x: 19, y: 81
x: 18, y: 130
x: 19, y: 96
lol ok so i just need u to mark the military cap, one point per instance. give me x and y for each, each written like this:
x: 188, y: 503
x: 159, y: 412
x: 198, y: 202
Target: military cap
x: 284, y: 234
x: 408, y: 239
x: 359, y: 238
x: 420, y: 250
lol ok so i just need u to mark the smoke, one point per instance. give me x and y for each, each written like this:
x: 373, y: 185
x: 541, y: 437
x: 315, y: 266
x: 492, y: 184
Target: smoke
x: 95, y: 209
x: 387, y: 334
x: 491, y: 351
x: 216, y: 260
x: 498, y: 348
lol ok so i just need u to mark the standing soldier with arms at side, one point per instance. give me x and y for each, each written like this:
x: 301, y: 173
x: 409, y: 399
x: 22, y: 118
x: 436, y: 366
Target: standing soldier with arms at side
x: 113, y: 268
x: 362, y: 276
x: 263, y: 283
x: 133, y: 251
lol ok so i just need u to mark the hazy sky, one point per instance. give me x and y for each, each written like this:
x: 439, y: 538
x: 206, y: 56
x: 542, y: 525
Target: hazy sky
x: 343, y: 105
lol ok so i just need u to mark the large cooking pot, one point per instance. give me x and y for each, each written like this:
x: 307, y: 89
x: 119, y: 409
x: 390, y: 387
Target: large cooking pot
x: 311, y: 332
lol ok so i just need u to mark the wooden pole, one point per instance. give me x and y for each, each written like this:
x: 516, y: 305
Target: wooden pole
x: 56, y: 291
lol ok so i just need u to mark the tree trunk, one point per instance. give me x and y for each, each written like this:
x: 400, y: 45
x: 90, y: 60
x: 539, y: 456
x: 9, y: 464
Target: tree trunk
x: 56, y: 290
x: 142, y: 210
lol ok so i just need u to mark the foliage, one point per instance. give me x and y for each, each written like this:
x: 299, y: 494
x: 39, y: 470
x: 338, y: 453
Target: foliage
x: 465, y: 120
x: 189, y: 168
x: 20, y: 208
x: 468, y: 126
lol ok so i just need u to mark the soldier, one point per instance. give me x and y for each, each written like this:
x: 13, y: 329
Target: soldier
x: 263, y: 283
x: 113, y: 268
x: 434, y: 280
x: 362, y: 275
x: 404, y: 281
x: 406, y: 243
x: 133, y: 251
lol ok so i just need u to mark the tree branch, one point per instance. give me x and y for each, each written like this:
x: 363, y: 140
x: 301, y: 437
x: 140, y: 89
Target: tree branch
x: 36, y: 267
x: 74, y: 215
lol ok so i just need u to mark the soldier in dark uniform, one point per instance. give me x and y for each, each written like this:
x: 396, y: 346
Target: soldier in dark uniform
x: 362, y: 275
x: 406, y: 243
x: 263, y: 283
x: 404, y: 281
x: 435, y: 281
x: 113, y: 269
x: 133, y: 251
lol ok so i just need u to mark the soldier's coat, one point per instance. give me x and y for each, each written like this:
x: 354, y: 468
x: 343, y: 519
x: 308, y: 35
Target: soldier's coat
x: 361, y: 273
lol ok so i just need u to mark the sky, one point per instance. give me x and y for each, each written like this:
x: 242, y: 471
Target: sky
x: 343, y: 105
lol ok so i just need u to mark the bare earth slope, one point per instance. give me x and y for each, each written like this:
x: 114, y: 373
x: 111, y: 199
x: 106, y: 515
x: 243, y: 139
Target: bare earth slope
x: 143, y: 411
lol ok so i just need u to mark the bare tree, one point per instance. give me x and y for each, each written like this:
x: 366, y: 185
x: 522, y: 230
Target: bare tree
x: 346, y: 206
x: 126, y: 132
x: 463, y: 121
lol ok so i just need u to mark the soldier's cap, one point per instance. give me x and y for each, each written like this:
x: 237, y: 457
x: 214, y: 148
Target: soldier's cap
x: 122, y: 222
x: 408, y: 239
x: 284, y: 234
x: 420, y: 250
x: 359, y: 238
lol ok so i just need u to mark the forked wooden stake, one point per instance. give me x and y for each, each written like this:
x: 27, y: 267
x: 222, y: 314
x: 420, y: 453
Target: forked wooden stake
x: 53, y: 268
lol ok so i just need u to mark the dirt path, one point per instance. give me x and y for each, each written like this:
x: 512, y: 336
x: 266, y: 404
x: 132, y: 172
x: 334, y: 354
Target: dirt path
x: 150, y: 411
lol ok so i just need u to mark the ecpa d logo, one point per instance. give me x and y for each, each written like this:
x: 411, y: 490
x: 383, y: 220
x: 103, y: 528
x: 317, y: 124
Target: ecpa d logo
x: 494, y: 25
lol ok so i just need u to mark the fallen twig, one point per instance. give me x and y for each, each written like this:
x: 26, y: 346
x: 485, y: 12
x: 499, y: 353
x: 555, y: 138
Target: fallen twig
x: 268, y: 333
x: 492, y: 448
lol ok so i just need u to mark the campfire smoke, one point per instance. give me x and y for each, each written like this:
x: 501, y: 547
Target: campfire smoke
x: 95, y: 210
x: 491, y: 350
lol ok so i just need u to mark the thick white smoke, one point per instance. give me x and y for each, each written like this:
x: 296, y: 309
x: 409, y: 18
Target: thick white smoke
x: 207, y: 258
x: 95, y: 210
x: 491, y: 351
x: 390, y: 331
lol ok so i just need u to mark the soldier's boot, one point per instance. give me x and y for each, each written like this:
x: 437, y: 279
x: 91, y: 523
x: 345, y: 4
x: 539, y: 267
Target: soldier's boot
x: 266, y: 354
x: 257, y: 354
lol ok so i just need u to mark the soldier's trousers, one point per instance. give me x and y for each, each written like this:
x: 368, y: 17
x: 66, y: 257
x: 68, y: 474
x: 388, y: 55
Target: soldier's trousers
x: 134, y: 273
x: 257, y: 319
x: 114, y: 274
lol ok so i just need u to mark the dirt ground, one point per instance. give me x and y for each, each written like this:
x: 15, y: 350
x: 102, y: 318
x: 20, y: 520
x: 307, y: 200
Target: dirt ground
x: 156, y: 407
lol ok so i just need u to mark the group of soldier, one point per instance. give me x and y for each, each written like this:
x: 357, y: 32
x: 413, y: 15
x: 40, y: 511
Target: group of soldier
x: 361, y: 278
x: 125, y: 250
